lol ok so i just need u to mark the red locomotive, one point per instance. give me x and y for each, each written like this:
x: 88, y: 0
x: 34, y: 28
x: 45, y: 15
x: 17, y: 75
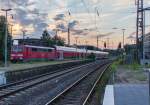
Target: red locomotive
x: 28, y: 52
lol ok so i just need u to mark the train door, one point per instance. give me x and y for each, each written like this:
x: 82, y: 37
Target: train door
x: 27, y: 53
x: 61, y: 55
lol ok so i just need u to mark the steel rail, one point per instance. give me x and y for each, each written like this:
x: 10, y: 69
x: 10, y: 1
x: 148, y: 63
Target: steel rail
x: 95, y: 84
x: 72, y: 85
x: 39, y: 82
x: 35, y: 77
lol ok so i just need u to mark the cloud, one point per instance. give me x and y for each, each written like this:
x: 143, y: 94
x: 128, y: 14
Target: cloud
x: 73, y: 24
x: 106, y: 34
x: 79, y: 32
x: 59, y: 17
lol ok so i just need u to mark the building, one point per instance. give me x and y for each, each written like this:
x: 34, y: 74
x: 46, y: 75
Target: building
x: 32, y: 41
x: 146, y: 49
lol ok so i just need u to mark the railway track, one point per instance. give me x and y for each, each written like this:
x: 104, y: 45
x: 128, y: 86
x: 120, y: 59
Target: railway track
x: 10, y: 90
x: 35, y: 77
x: 79, y: 92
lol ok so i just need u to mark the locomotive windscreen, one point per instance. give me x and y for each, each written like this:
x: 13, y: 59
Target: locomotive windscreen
x: 17, y: 48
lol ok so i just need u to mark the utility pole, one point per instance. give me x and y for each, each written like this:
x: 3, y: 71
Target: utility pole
x: 6, y: 37
x: 139, y: 27
x: 123, y: 30
x: 97, y: 42
x: 69, y: 13
x: 24, y: 34
x: 68, y: 35
x: 11, y: 34
x: 76, y: 38
x: 86, y: 43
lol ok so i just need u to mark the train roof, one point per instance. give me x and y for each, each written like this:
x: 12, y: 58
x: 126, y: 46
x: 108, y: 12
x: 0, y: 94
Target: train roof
x: 73, y: 49
x: 40, y: 47
x: 63, y: 48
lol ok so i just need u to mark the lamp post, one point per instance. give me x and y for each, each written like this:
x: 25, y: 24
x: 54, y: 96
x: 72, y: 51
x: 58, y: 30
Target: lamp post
x: 24, y: 34
x: 76, y: 38
x: 123, y: 31
x: 6, y: 36
x: 11, y: 33
x: 86, y: 44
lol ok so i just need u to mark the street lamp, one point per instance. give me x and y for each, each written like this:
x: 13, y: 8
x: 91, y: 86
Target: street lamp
x: 123, y: 30
x: 76, y: 38
x: 6, y: 36
x: 24, y: 34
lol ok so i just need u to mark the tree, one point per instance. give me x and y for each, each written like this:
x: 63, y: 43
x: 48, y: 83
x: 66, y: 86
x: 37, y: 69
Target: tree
x: 46, y: 35
x: 58, y: 41
x: 2, y: 37
x: 51, y: 41
x: 2, y: 40
x: 119, y: 45
x: 105, y: 45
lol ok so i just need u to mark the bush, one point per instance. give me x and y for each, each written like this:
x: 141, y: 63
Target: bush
x: 92, y: 56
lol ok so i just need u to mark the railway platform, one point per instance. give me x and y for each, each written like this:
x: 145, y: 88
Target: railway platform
x: 17, y: 72
x: 29, y: 65
x: 131, y: 94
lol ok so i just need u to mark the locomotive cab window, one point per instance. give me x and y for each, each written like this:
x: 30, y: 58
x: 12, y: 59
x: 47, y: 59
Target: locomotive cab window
x: 17, y: 48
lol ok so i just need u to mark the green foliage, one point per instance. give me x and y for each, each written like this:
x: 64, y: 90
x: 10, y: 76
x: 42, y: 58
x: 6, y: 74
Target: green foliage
x: 119, y: 45
x: 51, y: 41
x: 92, y: 56
x: 135, y: 66
x: 2, y: 36
x: 115, y: 64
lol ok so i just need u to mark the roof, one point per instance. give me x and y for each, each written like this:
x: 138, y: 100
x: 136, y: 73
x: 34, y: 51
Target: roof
x: 73, y: 49
x: 40, y: 47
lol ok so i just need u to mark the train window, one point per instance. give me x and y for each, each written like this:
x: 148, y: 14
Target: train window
x: 42, y: 50
x: 49, y: 50
x: 17, y: 48
x: 34, y: 49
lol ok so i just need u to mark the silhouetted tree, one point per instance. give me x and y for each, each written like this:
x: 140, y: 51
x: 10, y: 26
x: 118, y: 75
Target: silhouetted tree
x: 58, y: 41
x: 2, y: 40
x: 119, y: 45
x: 105, y: 45
x: 51, y: 41
x: 46, y: 35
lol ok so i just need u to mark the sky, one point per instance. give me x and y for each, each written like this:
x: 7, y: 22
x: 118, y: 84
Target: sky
x: 87, y: 19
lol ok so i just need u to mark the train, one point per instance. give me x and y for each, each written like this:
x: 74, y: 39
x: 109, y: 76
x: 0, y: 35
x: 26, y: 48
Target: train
x: 30, y: 52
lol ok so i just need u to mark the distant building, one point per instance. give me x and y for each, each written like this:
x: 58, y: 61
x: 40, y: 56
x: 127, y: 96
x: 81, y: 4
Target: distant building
x: 32, y: 41
x: 146, y: 50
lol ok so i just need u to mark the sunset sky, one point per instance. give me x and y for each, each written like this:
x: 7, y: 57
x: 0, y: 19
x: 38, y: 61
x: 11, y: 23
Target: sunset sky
x: 87, y: 18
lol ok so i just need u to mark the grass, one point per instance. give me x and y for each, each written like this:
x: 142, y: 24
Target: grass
x: 115, y: 65
x: 134, y: 66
